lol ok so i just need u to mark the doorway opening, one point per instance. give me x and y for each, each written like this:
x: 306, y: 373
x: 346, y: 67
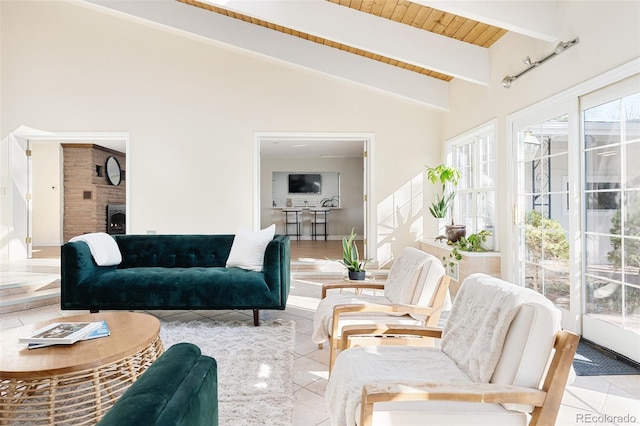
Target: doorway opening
x: 346, y: 155
x: 19, y: 224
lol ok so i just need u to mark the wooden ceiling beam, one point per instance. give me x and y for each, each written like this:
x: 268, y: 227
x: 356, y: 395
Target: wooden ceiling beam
x: 534, y: 18
x: 371, y: 33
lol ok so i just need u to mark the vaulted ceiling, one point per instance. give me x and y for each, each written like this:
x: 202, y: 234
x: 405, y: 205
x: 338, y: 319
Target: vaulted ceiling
x: 409, y: 49
x: 405, y: 12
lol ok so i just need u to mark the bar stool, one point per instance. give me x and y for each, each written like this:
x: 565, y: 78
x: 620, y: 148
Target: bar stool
x: 319, y: 216
x: 292, y: 216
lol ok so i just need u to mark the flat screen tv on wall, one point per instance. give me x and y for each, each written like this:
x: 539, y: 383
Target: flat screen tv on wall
x: 305, y: 183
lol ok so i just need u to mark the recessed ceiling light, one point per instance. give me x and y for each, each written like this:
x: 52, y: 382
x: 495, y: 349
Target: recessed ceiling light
x: 299, y: 145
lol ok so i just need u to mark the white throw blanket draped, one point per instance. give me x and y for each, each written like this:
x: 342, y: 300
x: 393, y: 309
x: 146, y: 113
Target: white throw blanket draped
x: 478, y: 323
x: 377, y: 364
x: 103, y: 247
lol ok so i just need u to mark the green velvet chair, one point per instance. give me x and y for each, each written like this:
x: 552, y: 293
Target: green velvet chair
x: 179, y: 388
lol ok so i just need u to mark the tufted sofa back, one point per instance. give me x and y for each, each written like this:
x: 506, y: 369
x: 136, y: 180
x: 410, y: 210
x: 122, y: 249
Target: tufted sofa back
x: 174, y: 251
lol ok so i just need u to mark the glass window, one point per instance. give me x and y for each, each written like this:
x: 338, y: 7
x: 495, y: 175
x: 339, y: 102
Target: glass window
x: 612, y: 211
x: 543, y: 198
x: 474, y: 154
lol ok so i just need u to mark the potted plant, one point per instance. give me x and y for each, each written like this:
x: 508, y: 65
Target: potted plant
x: 448, y: 177
x: 473, y: 242
x: 330, y: 202
x: 351, y: 258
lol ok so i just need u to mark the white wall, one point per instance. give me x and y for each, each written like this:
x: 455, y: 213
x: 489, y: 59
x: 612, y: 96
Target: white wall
x: 191, y: 109
x: 341, y: 220
x: 47, y: 193
x: 609, y: 37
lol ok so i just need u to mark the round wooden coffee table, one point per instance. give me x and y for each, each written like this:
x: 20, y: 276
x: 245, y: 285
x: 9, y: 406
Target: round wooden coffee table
x: 74, y: 384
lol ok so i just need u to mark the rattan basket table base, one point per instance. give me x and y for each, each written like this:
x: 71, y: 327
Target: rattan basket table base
x: 74, y: 398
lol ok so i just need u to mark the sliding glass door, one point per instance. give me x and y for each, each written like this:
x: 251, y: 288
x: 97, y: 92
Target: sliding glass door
x: 541, y: 218
x: 611, y: 155
x: 576, y: 210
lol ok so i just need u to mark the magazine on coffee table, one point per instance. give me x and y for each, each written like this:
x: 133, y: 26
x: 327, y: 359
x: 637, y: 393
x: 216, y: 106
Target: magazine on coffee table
x: 64, y: 333
x: 101, y: 331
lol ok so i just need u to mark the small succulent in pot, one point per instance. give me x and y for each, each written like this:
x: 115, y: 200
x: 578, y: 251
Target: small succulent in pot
x: 351, y: 257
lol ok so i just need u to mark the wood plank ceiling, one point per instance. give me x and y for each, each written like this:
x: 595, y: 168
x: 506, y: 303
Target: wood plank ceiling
x: 401, y: 11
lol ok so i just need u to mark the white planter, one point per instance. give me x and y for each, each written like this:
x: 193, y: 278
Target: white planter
x: 488, y: 244
x: 442, y: 223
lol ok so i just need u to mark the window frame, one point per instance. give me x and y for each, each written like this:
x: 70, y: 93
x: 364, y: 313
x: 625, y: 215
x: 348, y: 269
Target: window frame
x: 574, y: 320
x: 473, y: 138
x: 616, y: 336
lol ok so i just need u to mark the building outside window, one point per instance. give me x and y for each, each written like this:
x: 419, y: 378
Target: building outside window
x: 543, y: 198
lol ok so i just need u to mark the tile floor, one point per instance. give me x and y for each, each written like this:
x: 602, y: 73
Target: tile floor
x: 587, y: 399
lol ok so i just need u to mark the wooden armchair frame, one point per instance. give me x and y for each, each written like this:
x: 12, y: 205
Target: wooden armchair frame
x: 546, y: 400
x: 430, y: 320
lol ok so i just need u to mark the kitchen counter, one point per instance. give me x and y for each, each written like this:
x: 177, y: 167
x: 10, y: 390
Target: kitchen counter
x: 305, y: 207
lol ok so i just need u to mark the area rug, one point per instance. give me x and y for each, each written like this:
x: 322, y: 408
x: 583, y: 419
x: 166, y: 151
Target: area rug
x: 255, y: 367
x: 590, y: 361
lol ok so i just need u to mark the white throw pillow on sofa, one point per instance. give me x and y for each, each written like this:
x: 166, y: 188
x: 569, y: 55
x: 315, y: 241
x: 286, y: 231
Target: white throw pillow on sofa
x: 247, y: 250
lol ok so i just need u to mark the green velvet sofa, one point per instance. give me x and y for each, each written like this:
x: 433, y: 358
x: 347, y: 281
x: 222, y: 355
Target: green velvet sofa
x: 174, y: 272
x: 179, y: 388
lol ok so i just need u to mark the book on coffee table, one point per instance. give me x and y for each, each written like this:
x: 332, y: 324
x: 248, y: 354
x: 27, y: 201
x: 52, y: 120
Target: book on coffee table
x: 61, y: 333
x: 101, y: 331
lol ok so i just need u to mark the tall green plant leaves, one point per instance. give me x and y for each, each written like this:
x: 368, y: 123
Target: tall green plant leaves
x: 443, y: 174
x: 350, y: 256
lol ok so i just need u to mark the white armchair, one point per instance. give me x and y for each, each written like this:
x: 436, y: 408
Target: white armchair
x: 503, y: 360
x: 415, y: 293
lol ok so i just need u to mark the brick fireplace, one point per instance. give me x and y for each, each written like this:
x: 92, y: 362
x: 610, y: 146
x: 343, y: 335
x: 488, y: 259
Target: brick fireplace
x: 88, y: 193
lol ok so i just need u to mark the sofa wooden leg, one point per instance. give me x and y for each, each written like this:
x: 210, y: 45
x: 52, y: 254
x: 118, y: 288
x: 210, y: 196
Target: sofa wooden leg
x: 256, y: 317
x: 93, y: 311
